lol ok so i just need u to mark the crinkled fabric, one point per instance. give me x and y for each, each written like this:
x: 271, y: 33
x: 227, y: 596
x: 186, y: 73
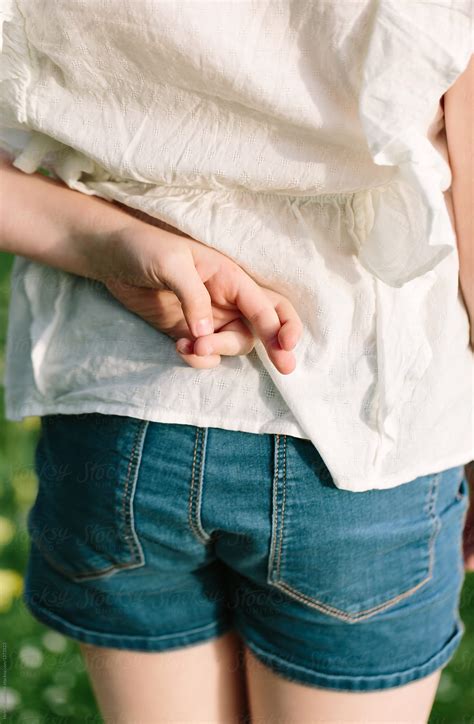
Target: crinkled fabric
x: 305, y: 141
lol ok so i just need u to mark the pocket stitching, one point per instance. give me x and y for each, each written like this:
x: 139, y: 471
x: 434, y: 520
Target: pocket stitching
x: 274, y: 569
x: 195, y: 491
x: 130, y: 535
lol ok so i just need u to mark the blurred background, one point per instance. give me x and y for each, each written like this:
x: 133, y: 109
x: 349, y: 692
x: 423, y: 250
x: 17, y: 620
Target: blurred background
x: 43, y: 677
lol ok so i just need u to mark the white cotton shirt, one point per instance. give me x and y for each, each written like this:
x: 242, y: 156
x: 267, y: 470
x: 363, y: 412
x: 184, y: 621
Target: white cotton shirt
x: 305, y: 140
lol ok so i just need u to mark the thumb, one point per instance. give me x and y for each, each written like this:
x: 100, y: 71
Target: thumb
x: 183, y: 279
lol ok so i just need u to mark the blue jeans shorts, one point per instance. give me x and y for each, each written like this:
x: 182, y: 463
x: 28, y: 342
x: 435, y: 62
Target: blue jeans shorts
x: 154, y: 536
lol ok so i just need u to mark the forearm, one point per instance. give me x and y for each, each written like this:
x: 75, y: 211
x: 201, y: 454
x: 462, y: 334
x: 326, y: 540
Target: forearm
x: 459, y: 117
x: 45, y: 221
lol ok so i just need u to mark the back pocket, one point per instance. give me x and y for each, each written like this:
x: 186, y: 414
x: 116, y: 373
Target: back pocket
x: 349, y: 555
x: 82, y: 518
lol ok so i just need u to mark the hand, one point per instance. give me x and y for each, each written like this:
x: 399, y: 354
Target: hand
x: 163, y: 311
x: 96, y: 239
x: 172, y: 281
x: 468, y: 535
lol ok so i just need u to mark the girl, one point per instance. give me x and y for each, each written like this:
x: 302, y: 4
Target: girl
x: 285, y: 479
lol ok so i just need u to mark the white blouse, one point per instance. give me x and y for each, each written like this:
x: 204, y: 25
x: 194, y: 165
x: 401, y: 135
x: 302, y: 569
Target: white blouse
x: 303, y: 139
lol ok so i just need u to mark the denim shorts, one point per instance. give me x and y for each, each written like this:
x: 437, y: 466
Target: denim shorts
x: 153, y: 536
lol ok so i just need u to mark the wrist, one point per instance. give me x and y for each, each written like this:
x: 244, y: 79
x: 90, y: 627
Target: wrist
x: 120, y: 249
x: 95, y: 249
x: 58, y: 226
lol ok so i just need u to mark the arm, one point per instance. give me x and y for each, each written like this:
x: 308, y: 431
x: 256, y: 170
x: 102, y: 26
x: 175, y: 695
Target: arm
x: 459, y: 120
x: 45, y: 221
x: 175, y: 283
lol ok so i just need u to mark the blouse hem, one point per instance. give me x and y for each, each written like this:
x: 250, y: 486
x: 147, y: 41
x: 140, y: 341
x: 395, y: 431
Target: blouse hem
x: 164, y: 415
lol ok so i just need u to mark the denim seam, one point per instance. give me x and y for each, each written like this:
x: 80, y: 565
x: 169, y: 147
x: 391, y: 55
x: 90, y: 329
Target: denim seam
x: 332, y: 610
x: 275, y: 517
x: 86, y: 575
x: 282, y: 524
x: 127, y: 500
x: 197, y: 481
x: 137, y: 554
x: 126, y: 509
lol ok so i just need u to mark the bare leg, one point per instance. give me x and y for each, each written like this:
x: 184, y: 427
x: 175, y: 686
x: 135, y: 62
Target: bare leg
x: 274, y: 700
x: 198, y: 683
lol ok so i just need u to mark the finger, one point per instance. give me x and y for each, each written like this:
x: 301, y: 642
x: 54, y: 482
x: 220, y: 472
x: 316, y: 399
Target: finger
x: 234, y: 338
x: 284, y: 360
x: 184, y: 348
x: 292, y: 327
x: 181, y: 276
x: 259, y: 311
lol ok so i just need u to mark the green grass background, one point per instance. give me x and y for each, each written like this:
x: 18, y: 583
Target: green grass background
x: 43, y: 677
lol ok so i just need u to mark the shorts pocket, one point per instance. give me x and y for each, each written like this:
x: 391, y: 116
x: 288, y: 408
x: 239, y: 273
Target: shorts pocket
x: 349, y: 555
x: 82, y: 519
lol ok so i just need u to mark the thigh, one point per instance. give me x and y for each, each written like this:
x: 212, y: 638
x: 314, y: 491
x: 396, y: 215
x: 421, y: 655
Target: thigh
x: 200, y: 683
x: 273, y: 698
x: 351, y: 592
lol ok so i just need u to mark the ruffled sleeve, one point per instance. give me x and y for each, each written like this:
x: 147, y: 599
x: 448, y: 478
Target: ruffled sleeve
x: 32, y: 150
x: 29, y: 148
x: 416, y: 52
x: 61, y: 161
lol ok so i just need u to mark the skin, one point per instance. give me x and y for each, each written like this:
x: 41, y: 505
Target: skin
x: 179, y: 285
x: 459, y: 121
x: 220, y: 680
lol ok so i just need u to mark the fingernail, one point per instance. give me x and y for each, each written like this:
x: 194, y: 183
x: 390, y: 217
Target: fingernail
x: 184, y: 346
x: 203, y: 326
